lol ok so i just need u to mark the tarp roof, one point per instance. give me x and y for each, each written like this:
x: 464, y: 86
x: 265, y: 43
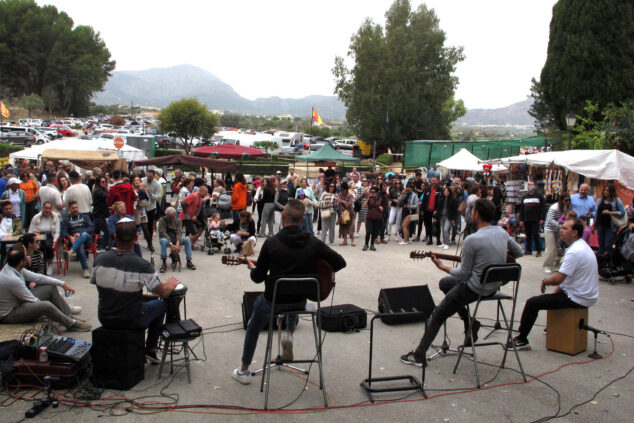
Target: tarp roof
x: 465, y: 160
x: 326, y: 154
x: 228, y: 151
x: 86, y: 159
x: 219, y: 165
x: 34, y: 152
x: 595, y: 164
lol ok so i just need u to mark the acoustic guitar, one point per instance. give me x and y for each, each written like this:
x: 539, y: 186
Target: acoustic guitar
x: 322, y: 270
x: 448, y: 257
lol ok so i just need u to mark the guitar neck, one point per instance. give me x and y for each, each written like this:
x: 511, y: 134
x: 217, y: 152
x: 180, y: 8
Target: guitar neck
x: 448, y: 257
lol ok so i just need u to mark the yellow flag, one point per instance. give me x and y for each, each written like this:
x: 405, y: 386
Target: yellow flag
x: 316, y: 117
x: 4, y: 111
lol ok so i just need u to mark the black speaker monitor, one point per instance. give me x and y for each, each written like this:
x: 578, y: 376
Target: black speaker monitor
x: 407, y: 299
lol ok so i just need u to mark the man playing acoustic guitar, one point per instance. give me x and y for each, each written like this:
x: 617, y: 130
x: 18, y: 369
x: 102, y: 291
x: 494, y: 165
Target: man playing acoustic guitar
x: 489, y: 245
x: 291, y: 252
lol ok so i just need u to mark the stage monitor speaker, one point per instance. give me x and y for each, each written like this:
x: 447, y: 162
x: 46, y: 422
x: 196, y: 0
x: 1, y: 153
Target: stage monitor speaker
x: 248, y: 299
x: 118, y: 357
x: 407, y: 299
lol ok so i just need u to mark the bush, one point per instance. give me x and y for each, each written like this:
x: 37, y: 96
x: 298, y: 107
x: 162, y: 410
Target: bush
x: 385, y: 159
x: 160, y: 152
x: 6, y: 149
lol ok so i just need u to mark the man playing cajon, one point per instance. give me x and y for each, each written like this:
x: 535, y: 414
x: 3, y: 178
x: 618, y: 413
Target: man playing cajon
x: 577, y: 282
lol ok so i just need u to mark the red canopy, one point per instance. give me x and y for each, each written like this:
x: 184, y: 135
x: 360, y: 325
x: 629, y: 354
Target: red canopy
x: 228, y: 151
x: 219, y: 165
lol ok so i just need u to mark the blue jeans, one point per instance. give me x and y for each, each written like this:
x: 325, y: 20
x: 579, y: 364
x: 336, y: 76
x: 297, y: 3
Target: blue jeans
x: 152, y: 319
x: 260, y: 318
x: 606, y: 238
x: 184, y: 241
x: 81, y: 243
x: 308, y: 223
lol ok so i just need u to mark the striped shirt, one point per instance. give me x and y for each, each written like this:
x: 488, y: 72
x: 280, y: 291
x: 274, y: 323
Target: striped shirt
x: 552, y: 218
x: 120, y: 277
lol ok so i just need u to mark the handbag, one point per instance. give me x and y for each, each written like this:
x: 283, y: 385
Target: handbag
x: 414, y: 217
x: 325, y: 213
x: 344, y: 219
x: 619, y: 222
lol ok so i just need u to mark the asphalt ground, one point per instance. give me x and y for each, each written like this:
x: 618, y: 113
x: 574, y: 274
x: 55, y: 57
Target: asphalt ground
x: 557, y: 381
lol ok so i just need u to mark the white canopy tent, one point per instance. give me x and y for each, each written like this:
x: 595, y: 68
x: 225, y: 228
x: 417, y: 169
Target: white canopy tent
x: 595, y: 164
x: 465, y: 160
x: 33, y: 153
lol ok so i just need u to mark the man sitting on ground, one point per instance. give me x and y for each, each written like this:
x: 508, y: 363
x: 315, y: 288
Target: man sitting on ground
x: 170, y: 229
x: 489, y: 245
x: 18, y: 304
x: 290, y: 252
x: 120, y: 276
x: 577, y: 282
x: 78, y: 229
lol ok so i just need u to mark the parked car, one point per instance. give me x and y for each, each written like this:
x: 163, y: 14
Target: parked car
x: 345, y: 144
x: 18, y: 138
x: 51, y: 132
x: 290, y: 150
x: 314, y: 146
x: 64, y: 130
x: 40, y: 137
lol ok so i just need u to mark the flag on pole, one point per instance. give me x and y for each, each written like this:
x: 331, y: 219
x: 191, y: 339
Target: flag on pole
x: 316, y: 117
x: 4, y: 111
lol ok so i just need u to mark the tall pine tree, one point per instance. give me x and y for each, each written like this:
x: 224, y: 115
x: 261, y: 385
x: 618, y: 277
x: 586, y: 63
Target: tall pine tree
x: 590, y: 57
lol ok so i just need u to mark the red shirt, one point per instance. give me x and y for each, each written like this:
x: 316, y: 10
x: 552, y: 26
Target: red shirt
x: 431, y: 204
x: 193, y: 203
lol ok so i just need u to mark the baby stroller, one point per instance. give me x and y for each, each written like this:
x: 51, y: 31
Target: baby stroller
x: 617, y: 262
x: 213, y: 242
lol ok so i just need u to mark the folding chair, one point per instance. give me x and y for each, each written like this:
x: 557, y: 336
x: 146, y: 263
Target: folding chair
x: 298, y: 287
x: 495, y: 275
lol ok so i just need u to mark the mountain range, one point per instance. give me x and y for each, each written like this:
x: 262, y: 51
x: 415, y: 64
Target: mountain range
x: 160, y: 86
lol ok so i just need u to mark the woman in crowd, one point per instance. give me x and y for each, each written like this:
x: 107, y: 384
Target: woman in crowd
x: 47, y: 222
x: 17, y: 198
x: 447, y: 212
x: 474, y: 195
x: 552, y: 228
x: 268, y: 207
x: 346, y: 216
x: 410, y: 207
x: 186, y: 188
x: 396, y: 208
x: 62, y: 185
x: 140, y: 213
x: 257, y: 200
x: 328, y: 210
x: 30, y: 188
x: 385, y: 203
x: 608, y: 205
x: 101, y: 211
x: 238, y: 196
x: 362, y: 194
x: 309, y: 203
x: 495, y: 195
x: 218, y: 188
x: 36, y: 263
x: 282, y: 195
x: 319, y: 187
x: 374, y: 215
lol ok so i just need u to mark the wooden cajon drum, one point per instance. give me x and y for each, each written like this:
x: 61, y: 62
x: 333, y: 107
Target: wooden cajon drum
x: 562, y: 330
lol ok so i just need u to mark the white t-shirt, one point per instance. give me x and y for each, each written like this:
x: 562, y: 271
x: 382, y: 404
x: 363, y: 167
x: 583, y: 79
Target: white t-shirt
x: 6, y: 227
x: 582, y: 274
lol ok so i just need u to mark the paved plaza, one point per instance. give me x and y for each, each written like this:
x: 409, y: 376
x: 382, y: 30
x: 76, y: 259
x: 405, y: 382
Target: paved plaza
x: 214, y: 302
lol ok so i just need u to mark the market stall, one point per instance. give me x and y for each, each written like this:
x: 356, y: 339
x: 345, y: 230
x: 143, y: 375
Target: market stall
x: 465, y: 160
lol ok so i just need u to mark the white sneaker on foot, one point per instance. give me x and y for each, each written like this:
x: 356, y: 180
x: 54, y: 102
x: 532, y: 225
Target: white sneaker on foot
x: 445, y: 247
x: 75, y: 309
x: 403, y: 243
x: 244, y: 378
x: 287, y: 347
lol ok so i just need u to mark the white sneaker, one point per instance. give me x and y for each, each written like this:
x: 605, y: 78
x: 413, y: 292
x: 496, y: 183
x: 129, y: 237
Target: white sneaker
x: 547, y: 270
x: 287, y: 347
x: 75, y: 309
x: 72, y: 255
x: 403, y: 243
x: 244, y: 378
x: 445, y: 247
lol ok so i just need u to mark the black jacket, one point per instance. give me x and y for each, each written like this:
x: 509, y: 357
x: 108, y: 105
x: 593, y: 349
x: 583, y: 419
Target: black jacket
x: 99, y: 206
x: 452, y: 206
x: 533, y: 208
x: 291, y: 252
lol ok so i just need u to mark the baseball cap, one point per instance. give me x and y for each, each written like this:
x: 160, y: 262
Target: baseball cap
x: 14, y: 181
x: 284, y: 181
x: 279, y: 171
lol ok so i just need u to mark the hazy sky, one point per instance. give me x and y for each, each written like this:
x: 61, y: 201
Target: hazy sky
x: 286, y: 48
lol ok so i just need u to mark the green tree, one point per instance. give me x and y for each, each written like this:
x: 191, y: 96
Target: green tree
x: 590, y: 57
x: 404, y: 71
x: 188, y: 119
x: 41, y: 49
x: 231, y: 120
x: 611, y: 129
x: 31, y: 102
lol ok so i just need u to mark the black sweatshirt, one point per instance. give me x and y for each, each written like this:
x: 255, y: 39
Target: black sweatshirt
x: 533, y: 208
x: 291, y: 252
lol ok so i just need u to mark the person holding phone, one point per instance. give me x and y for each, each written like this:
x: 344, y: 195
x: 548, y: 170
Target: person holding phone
x: 374, y: 218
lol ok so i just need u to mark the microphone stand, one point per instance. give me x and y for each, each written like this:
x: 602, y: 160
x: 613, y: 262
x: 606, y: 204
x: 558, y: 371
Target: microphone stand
x: 595, y: 354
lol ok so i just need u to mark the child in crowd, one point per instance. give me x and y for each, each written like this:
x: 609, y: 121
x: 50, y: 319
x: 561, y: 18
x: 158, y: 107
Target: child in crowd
x: 214, y: 224
x: 586, y: 229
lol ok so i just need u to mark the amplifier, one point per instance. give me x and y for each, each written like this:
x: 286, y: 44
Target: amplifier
x: 185, y: 329
x: 118, y: 358
x: 343, y: 318
x: 407, y: 299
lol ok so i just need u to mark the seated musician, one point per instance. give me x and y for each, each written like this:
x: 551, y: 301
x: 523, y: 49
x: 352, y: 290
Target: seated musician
x: 291, y: 252
x: 18, y: 304
x: 489, y: 245
x: 120, y: 275
x: 576, y: 281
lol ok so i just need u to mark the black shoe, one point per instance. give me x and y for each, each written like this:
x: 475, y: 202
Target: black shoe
x: 365, y: 248
x: 411, y: 359
x: 430, y: 242
x: 163, y: 268
x: 372, y: 248
x: 539, y: 254
x: 475, y: 327
x: 520, y: 344
x: 152, y: 357
x: 417, y: 239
